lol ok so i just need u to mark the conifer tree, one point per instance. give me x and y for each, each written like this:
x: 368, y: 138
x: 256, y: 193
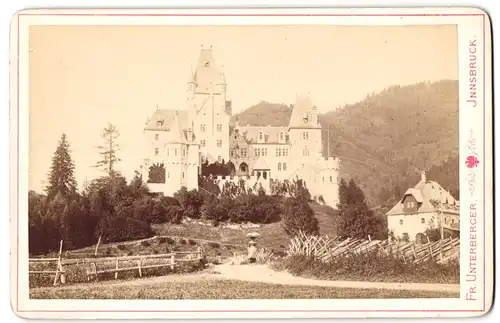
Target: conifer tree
x: 109, y: 150
x: 298, y: 214
x: 61, y: 175
x: 356, y: 219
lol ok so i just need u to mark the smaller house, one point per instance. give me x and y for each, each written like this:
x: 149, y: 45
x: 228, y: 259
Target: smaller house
x: 425, y: 206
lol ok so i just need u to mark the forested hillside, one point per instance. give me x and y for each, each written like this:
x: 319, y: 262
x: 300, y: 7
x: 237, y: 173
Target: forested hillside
x: 385, y: 140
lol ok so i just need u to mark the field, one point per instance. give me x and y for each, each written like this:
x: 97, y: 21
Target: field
x: 223, y: 289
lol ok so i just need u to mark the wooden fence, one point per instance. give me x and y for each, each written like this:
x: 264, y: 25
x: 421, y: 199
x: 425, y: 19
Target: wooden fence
x: 93, y: 267
x: 325, y: 248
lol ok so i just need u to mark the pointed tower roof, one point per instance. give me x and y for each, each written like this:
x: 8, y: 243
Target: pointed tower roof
x: 207, y: 74
x: 302, y: 113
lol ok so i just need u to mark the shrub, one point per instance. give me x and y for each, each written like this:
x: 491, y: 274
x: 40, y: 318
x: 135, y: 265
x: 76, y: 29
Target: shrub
x: 121, y: 247
x: 145, y: 243
x: 182, y: 241
x: 190, y: 201
x: 192, y: 242
x: 169, y: 240
x: 214, y: 245
x: 119, y: 228
x: 371, y: 267
x: 162, y: 240
x: 298, y: 217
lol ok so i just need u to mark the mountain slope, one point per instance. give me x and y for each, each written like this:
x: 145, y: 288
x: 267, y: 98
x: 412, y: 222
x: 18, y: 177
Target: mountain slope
x: 385, y: 140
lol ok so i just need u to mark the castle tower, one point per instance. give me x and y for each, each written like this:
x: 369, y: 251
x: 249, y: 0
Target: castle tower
x: 208, y: 110
x: 305, y: 132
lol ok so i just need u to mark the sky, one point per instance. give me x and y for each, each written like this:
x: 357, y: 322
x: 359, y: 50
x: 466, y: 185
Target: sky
x: 82, y: 77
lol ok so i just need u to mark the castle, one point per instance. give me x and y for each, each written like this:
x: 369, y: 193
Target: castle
x: 178, y: 142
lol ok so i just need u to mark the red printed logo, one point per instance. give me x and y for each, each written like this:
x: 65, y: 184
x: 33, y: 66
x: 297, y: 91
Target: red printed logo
x: 471, y: 161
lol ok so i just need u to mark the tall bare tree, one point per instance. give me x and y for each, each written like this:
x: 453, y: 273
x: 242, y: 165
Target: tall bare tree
x: 109, y: 150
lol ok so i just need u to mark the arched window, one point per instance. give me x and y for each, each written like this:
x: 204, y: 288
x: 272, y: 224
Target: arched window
x: 331, y: 179
x: 261, y: 136
x: 279, y: 166
x: 282, y: 136
x: 284, y: 166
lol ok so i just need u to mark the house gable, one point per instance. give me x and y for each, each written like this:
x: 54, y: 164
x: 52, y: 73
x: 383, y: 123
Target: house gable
x: 410, y: 204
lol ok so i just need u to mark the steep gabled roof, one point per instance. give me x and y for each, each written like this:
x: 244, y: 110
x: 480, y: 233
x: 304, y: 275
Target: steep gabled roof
x: 173, y: 121
x: 261, y: 164
x: 302, y: 113
x: 207, y: 75
x: 425, y: 192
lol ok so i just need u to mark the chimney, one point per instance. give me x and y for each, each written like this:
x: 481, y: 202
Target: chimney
x: 423, y: 176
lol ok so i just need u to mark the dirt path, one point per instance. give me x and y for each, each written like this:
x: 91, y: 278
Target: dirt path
x: 264, y: 274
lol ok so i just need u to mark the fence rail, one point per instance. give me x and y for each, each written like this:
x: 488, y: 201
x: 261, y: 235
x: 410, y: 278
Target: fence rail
x: 121, y: 264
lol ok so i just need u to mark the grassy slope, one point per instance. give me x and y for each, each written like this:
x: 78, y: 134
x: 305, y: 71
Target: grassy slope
x: 222, y: 289
x: 272, y: 236
x: 387, y: 138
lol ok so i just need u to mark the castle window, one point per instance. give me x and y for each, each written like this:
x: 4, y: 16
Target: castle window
x: 219, y: 159
x: 279, y: 166
x: 182, y: 174
x: 401, y: 222
x: 422, y: 220
x: 305, y: 151
x: 278, y: 152
x: 231, y: 152
x: 175, y: 152
x: 261, y: 136
x: 285, y: 151
x: 452, y: 221
x: 305, y: 135
x: 219, y: 128
x: 243, y: 152
x: 331, y: 179
x: 157, y: 151
x: 323, y: 179
x: 203, y: 128
x: 284, y: 166
x: 159, y: 123
x: 264, y: 151
x: 207, y: 64
x: 282, y: 136
x: 157, y: 136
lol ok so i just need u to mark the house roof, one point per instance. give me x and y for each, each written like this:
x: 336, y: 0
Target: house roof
x: 261, y: 164
x: 302, y: 113
x: 174, y: 121
x: 207, y: 75
x: 424, y: 192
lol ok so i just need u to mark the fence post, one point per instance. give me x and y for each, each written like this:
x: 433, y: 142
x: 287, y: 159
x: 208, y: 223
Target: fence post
x: 139, y: 265
x: 172, y: 261
x: 58, y: 263
x: 97, y: 246
x: 116, y: 272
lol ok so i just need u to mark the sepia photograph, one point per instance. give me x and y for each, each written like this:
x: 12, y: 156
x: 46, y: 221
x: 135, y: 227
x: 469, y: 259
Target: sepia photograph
x: 248, y: 162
